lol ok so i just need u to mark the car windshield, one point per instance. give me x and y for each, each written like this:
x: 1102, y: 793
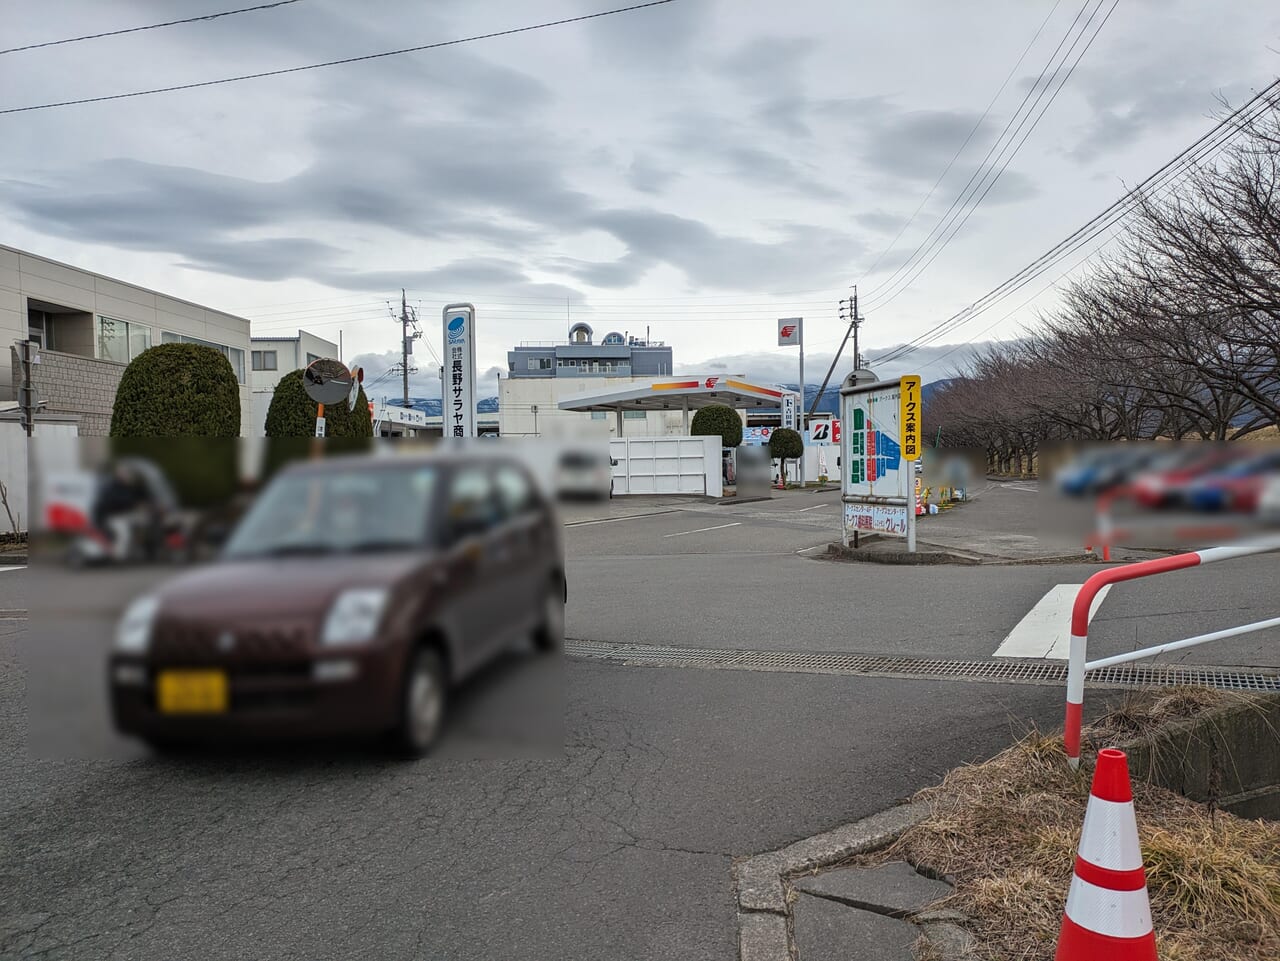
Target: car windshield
x: 340, y: 511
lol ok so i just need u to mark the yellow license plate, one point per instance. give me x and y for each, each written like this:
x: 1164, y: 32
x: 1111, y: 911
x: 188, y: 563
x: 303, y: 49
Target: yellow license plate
x: 192, y: 692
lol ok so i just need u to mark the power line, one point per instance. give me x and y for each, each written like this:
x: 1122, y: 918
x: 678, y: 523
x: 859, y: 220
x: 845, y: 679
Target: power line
x: 1163, y: 179
x: 976, y: 127
x: 152, y: 26
x: 1201, y: 150
x: 336, y: 63
x: 944, y: 232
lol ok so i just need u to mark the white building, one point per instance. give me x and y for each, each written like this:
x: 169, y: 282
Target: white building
x: 88, y: 327
x: 543, y: 374
x: 270, y: 358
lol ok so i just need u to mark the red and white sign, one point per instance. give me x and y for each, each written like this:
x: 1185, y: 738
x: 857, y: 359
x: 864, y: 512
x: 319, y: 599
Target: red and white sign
x: 789, y: 331
x: 835, y: 430
x: 711, y: 382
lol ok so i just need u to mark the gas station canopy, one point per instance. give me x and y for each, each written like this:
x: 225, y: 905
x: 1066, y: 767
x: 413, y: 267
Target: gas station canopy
x: 684, y: 395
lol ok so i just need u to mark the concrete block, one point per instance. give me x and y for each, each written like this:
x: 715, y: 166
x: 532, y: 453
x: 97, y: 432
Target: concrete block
x: 895, y: 889
x: 829, y: 931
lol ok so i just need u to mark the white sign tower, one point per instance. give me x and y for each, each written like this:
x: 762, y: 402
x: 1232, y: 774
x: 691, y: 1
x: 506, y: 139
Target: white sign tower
x: 458, y: 404
x: 791, y: 331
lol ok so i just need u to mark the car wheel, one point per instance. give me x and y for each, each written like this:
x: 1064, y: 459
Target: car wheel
x: 550, y: 633
x: 422, y: 704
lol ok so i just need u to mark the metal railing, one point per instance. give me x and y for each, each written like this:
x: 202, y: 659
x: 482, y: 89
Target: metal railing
x: 1078, y: 666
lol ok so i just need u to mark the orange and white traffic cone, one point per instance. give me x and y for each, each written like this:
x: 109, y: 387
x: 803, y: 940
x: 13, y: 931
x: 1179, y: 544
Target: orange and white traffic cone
x: 1108, y: 915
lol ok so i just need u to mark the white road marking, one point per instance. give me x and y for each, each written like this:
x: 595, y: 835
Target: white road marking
x: 816, y: 507
x: 614, y: 520
x: 1045, y: 631
x: 700, y: 530
x: 805, y: 550
x: 3, y: 569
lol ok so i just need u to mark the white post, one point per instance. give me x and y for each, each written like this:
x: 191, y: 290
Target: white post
x: 686, y: 417
x: 800, y: 412
x: 618, y: 411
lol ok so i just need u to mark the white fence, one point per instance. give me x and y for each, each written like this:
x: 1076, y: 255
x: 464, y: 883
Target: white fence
x: 55, y: 440
x: 667, y: 465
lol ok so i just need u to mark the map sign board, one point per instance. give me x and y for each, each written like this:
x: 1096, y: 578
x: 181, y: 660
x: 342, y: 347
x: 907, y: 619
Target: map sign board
x: 878, y: 481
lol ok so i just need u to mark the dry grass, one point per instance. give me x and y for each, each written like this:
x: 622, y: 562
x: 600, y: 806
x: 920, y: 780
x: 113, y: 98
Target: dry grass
x: 1007, y: 831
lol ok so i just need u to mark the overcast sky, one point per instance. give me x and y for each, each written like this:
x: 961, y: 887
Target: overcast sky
x: 696, y: 170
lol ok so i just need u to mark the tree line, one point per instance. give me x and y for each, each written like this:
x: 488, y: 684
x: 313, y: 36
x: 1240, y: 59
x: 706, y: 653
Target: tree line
x: 1175, y: 334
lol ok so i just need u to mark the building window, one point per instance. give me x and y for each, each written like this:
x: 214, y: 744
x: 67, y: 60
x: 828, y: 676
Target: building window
x: 599, y: 414
x: 634, y: 415
x: 264, y: 360
x: 233, y: 354
x: 120, y: 340
x: 533, y: 363
x: 312, y: 358
x: 544, y: 363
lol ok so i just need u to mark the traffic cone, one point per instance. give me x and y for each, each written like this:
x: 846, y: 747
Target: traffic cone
x: 1108, y: 915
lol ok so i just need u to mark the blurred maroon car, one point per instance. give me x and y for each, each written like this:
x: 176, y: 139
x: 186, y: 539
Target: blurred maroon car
x: 351, y: 598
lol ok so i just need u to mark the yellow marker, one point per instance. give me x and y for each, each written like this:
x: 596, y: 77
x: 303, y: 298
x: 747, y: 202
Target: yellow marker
x: 909, y: 419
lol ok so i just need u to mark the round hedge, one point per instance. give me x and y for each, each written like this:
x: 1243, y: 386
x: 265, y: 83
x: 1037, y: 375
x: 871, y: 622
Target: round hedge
x: 718, y: 419
x: 786, y: 444
x: 177, y: 390
x: 293, y: 414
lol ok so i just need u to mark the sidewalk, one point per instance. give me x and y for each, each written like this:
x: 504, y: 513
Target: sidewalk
x: 998, y: 524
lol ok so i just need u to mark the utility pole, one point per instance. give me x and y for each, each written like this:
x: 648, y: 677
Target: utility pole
x: 404, y: 345
x: 849, y: 312
x: 26, y: 392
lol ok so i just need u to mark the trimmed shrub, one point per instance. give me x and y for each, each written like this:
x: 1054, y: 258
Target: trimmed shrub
x: 784, y: 445
x: 718, y: 419
x: 291, y: 426
x: 177, y: 390
x: 293, y: 414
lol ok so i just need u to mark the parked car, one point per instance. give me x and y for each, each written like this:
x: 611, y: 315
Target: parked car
x: 351, y: 598
x: 1103, y: 468
x: 1236, y: 487
x: 1163, y: 487
x: 585, y: 474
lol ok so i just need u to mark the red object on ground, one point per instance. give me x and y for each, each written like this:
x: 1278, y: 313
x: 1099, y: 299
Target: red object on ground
x: 1108, y: 913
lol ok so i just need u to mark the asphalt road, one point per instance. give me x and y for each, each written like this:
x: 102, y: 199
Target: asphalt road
x: 620, y: 848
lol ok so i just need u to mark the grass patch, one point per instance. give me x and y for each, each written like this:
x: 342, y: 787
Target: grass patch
x: 1007, y: 830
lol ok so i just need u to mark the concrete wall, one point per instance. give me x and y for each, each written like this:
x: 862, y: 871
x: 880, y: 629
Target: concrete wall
x: 1230, y: 756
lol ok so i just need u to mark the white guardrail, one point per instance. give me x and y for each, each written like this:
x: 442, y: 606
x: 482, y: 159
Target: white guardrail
x: 1078, y: 666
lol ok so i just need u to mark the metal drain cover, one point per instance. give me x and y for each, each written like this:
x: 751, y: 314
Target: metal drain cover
x: 929, y: 668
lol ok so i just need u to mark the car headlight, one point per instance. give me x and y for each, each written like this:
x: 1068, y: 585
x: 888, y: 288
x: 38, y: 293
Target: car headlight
x: 355, y: 616
x: 133, y: 633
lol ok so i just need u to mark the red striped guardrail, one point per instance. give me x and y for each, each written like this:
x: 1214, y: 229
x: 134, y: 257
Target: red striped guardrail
x: 1078, y: 666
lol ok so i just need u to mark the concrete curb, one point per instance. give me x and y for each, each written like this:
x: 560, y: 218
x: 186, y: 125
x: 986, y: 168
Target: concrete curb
x: 763, y: 909
x: 11, y: 560
x: 942, y: 556
x: 862, y: 555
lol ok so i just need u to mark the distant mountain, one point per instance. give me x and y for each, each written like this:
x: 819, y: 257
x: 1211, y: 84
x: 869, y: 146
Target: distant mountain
x: 431, y: 405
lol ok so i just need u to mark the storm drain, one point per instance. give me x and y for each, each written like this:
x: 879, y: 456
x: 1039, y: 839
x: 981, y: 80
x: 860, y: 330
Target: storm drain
x: 928, y: 668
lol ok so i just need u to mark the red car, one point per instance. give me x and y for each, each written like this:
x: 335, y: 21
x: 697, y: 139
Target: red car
x: 1164, y: 488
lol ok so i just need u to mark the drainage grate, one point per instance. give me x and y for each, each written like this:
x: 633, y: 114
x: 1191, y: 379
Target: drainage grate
x: 879, y: 665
